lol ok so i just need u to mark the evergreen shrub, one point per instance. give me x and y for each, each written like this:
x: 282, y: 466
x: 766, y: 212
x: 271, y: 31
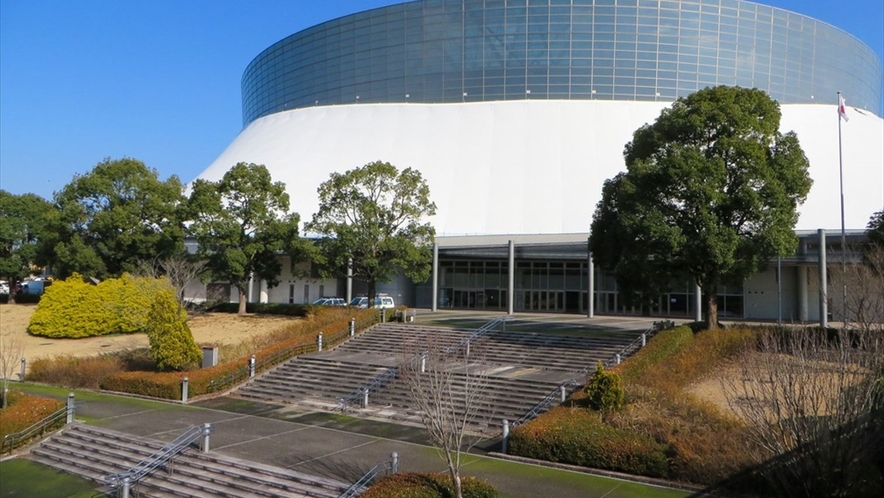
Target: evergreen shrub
x: 427, y: 485
x: 604, y: 389
x: 578, y: 436
x: 171, y: 342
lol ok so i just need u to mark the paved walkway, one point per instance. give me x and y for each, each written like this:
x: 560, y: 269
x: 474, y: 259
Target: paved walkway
x: 345, y: 447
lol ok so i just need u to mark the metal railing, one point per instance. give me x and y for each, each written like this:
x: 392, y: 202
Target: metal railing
x: 481, y: 331
x: 121, y: 482
x: 368, y: 477
x: 546, y: 403
x: 16, y: 439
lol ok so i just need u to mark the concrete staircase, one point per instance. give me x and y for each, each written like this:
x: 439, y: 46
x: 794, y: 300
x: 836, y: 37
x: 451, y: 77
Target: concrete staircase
x: 519, y: 368
x: 93, y: 453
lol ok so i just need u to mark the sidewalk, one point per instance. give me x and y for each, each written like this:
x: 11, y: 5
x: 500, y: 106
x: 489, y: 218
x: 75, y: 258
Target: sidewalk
x: 331, y: 445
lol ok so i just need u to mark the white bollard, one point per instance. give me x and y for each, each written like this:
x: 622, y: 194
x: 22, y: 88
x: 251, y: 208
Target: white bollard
x: 564, y: 393
x: 617, y: 358
x: 319, y: 342
x: 468, y: 348
x: 384, y: 315
x: 352, y: 327
x: 207, y: 429
x: 21, y: 374
x: 252, y: 367
x: 70, y: 409
x: 644, y: 339
x: 394, y: 462
x: 124, y: 493
x: 365, y: 398
x: 423, y: 362
x: 184, y: 387
x: 506, y: 436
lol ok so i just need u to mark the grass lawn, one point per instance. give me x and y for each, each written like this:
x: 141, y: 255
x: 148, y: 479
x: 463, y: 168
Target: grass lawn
x: 26, y: 479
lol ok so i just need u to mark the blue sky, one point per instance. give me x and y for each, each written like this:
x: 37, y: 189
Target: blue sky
x: 158, y: 80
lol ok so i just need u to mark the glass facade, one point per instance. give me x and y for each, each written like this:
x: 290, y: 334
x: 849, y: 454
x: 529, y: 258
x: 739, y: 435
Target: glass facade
x: 437, y: 51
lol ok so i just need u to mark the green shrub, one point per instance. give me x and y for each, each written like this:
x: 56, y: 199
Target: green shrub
x: 264, y: 308
x: 73, y: 308
x: 604, y: 389
x: 580, y: 437
x: 171, y: 342
x: 426, y: 485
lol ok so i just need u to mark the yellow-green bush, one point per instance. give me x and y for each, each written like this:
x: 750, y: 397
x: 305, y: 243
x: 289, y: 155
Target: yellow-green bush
x: 171, y: 342
x: 604, y: 389
x: 73, y: 308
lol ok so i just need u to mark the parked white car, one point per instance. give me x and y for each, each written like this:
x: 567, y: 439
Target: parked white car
x: 330, y: 301
x: 382, y: 301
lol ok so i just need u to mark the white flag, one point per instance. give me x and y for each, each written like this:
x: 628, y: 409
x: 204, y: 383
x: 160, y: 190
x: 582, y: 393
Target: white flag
x: 842, y: 108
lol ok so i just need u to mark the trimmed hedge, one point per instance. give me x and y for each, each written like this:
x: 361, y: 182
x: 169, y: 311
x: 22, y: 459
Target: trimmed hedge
x: 73, y: 308
x: 24, y: 410
x: 264, y: 308
x: 222, y: 376
x: 427, y: 485
x: 580, y: 437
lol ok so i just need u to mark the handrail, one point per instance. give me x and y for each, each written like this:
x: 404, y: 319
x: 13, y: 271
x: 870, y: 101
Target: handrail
x: 545, y: 403
x: 369, y: 476
x: 484, y: 329
x: 13, y: 440
x: 143, y: 468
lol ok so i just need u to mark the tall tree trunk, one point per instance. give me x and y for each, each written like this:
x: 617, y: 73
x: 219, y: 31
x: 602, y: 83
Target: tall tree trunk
x: 458, y: 489
x: 243, y: 299
x: 711, y: 309
x: 372, y: 291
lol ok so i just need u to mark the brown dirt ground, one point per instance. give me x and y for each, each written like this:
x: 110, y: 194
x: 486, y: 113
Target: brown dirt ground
x: 209, y: 328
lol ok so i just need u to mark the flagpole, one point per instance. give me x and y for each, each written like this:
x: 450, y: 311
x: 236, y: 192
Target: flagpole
x: 844, y: 319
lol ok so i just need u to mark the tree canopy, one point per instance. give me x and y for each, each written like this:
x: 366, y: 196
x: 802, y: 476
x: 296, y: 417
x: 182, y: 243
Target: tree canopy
x: 241, y: 224
x: 373, y: 217
x: 710, y: 194
x: 23, y: 220
x: 111, y: 218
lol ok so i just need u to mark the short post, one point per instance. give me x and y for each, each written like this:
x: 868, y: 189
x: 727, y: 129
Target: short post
x: 124, y: 493
x: 184, y: 386
x: 617, y: 359
x: 319, y: 341
x: 352, y: 327
x: 252, y: 367
x: 564, y: 393
x: 207, y: 429
x: 21, y: 373
x: 506, y: 436
x: 644, y: 339
x: 383, y: 315
x: 365, y: 398
x: 424, y: 362
x: 70, y: 409
x: 394, y: 462
x: 468, y: 348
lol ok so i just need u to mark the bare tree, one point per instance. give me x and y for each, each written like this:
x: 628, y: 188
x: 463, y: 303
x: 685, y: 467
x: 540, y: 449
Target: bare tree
x: 811, y: 400
x: 864, y: 285
x: 181, y: 269
x: 11, y: 351
x: 450, y: 390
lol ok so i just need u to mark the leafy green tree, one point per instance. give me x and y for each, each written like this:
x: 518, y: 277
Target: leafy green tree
x: 113, y: 217
x: 710, y: 193
x: 171, y: 342
x: 23, y: 220
x: 372, y: 216
x: 242, y: 225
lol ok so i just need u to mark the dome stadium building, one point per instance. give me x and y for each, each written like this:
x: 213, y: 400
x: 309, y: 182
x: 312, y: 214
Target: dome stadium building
x: 517, y: 111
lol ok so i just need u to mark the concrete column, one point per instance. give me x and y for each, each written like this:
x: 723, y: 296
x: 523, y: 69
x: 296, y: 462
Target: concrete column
x: 590, y: 285
x: 824, y: 303
x: 801, y: 273
x: 124, y: 493
x: 349, y: 280
x: 263, y: 294
x: 70, y: 409
x: 435, y: 305
x: 252, y: 366
x: 506, y: 436
x: 698, y: 304
x: 184, y: 387
x: 511, y: 282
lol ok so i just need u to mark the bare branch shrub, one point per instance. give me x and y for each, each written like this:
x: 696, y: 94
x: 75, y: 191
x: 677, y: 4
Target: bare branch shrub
x: 811, y: 399
x: 181, y: 269
x: 11, y: 351
x: 450, y: 390
x: 865, y: 290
